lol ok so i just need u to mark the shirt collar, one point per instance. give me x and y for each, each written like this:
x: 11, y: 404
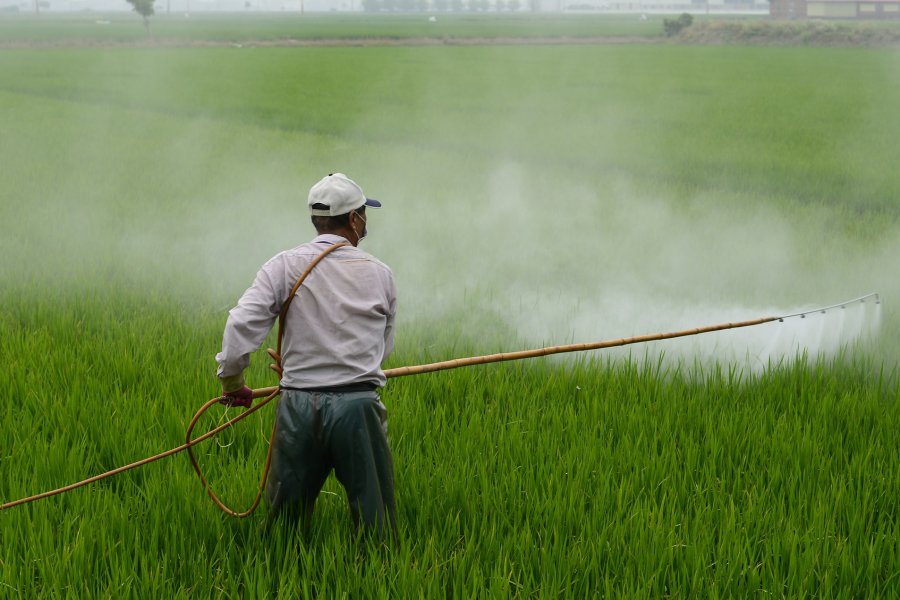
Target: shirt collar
x: 330, y: 238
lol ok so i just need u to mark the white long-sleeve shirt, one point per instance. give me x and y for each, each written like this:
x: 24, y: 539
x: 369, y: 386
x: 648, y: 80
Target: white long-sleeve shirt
x: 339, y: 327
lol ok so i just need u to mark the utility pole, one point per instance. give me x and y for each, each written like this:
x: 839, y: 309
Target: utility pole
x: 37, y: 7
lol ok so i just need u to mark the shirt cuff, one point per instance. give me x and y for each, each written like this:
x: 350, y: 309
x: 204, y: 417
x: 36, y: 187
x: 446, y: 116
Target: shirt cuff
x: 232, y: 383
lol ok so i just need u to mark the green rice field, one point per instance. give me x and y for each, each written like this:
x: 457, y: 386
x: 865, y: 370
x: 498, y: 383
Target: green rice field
x: 532, y: 195
x: 122, y: 27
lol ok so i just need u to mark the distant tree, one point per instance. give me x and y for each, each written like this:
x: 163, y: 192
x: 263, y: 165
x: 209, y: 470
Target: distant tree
x: 500, y: 5
x: 674, y: 26
x: 44, y: 4
x: 145, y: 9
x: 247, y: 5
x: 390, y: 5
x: 441, y: 5
x: 514, y: 5
x: 456, y: 5
x: 422, y: 5
x: 371, y: 5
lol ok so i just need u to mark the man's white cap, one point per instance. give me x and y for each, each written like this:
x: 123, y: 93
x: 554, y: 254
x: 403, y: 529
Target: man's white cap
x: 339, y: 194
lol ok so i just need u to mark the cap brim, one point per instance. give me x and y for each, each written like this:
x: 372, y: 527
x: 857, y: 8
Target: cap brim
x: 373, y: 203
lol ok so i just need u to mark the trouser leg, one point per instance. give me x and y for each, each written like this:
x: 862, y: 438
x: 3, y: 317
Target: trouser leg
x: 362, y: 460
x: 299, y: 464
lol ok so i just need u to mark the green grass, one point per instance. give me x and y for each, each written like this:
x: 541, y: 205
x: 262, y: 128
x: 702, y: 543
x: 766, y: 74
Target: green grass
x: 531, y: 195
x: 125, y: 27
x: 518, y: 480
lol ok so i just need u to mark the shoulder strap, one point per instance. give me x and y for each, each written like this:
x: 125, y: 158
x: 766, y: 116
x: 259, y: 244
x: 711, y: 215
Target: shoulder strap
x: 276, y: 354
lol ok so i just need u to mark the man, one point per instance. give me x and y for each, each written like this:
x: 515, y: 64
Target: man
x: 338, y: 330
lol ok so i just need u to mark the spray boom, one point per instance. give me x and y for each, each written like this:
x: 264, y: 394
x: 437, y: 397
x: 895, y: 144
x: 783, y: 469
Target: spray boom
x: 861, y: 300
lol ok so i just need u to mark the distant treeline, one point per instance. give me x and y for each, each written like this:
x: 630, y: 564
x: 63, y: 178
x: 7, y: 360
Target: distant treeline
x: 447, y: 5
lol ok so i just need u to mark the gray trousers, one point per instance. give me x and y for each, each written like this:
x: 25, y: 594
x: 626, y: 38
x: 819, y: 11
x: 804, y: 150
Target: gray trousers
x: 318, y: 432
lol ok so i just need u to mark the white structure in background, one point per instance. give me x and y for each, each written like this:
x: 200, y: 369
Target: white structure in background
x: 690, y: 6
x: 835, y: 9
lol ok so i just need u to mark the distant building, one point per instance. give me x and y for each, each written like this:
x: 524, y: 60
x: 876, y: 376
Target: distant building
x: 787, y: 9
x: 834, y: 9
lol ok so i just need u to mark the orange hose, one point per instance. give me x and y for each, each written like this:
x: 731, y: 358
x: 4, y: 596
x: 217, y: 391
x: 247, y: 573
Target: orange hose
x: 262, y: 485
x: 139, y: 463
x: 270, y: 393
x: 274, y: 392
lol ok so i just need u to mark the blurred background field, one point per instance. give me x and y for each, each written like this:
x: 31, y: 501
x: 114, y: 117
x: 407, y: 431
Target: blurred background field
x: 120, y: 28
x: 125, y: 27
x: 532, y: 195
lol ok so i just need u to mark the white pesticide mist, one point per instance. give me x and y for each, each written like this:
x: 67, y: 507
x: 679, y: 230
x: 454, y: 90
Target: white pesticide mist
x: 588, y: 266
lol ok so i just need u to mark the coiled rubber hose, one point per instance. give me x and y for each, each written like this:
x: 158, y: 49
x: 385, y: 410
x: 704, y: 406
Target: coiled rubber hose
x: 278, y: 369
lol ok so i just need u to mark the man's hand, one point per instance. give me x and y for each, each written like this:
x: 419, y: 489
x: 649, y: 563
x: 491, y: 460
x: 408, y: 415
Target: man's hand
x: 242, y: 397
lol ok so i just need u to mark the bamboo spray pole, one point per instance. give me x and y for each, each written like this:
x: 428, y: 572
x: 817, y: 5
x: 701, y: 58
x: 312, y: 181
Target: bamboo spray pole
x: 269, y: 393
x: 538, y: 352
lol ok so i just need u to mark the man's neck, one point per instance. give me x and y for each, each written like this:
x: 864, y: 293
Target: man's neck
x: 345, y: 232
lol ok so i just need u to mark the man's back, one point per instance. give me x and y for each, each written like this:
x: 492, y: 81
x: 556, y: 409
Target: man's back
x: 340, y: 325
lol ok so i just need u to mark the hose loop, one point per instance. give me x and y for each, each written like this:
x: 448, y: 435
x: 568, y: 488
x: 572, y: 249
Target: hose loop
x: 275, y: 354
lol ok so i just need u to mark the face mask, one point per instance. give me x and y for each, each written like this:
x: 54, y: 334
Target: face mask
x: 365, y: 229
